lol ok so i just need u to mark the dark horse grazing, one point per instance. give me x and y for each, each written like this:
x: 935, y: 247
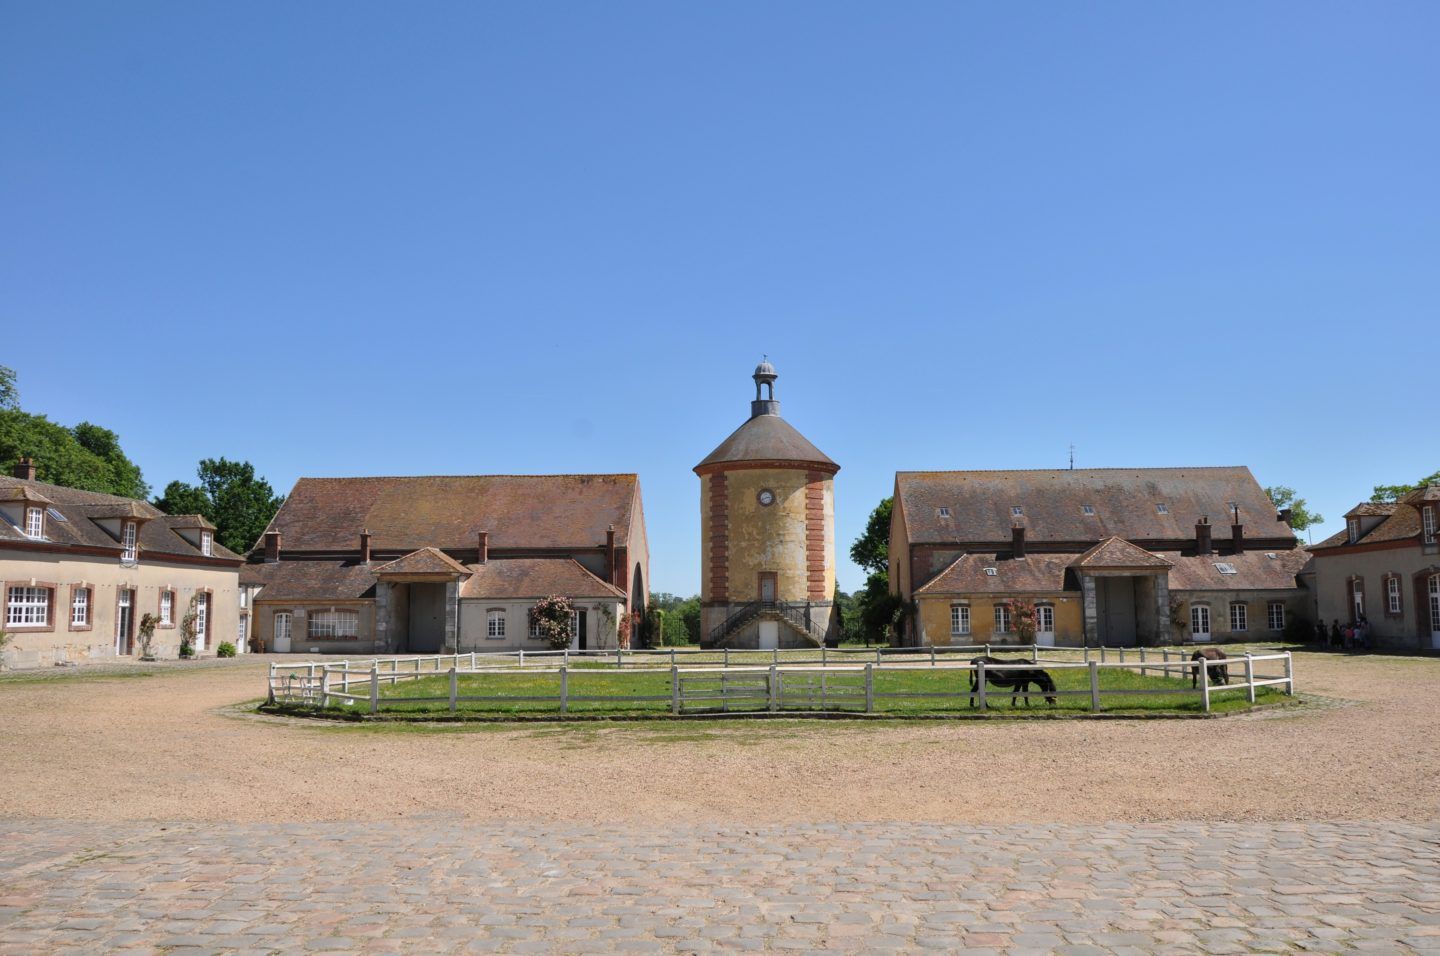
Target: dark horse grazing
x: 1016, y: 681
x: 1219, y: 673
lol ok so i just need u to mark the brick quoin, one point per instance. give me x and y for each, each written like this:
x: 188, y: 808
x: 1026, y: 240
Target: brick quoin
x: 719, y: 538
x: 815, y: 535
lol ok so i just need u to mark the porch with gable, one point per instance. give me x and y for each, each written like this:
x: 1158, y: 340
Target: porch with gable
x: 417, y: 599
x: 1126, y: 594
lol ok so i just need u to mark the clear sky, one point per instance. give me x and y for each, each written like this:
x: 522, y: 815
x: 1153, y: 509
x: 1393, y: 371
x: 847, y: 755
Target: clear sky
x: 343, y: 238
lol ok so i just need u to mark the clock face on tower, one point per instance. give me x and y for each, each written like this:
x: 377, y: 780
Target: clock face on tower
x: 766, y: 497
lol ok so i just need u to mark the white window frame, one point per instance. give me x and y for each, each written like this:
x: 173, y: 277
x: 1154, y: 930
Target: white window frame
x: 1161, y: 508
x: 1002, y: 619
x: 27, y: 606
x: 80, y: 607
x: 167, y: 608
x: 1393, y: 595
x: 959, y: 619
x: 129, y: 541
x: 943, y: 512
x: 202, y: 619
x: 1428, y: 523
x: 1357, y: 598
x: 207, y: 545
x: 495, y: 624
x: 333, y: 624
x: 1017, y: 511
x: 242, y: 632
x: 281, y: 624
x: 1087, y: 509
x: 1044, y: 619
x: 1239, y: 616
x: 35, y: 523
x: 1275, y: 614
x: 1352, y: 529
x: 1197, y: 611
x: 534, y: 625
x: 575, y: 622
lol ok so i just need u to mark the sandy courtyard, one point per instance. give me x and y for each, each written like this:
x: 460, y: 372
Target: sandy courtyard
x: 171, y: 747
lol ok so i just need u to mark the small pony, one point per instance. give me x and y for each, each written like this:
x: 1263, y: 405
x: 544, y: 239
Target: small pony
x: 1016, y: 681
x: 1218, y: 673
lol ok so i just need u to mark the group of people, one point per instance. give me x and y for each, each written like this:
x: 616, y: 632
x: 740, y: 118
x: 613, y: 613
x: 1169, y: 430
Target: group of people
x: 1350, y: 637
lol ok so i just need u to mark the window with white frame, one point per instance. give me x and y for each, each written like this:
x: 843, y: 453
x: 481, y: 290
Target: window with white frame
x: 333, y: 625
x: 202, y: 619
x: 1002, y: 619
x: 1016, y: 511
x: 574, y: 622
x: 27, y: 607
x: 959, y: 619
x: 1352, y: 528
x: 244, y: 597
x: 495, y: 623
x: 1427, y: 517
x: 244, y: 629
x: 534, y: 625
x: 1087, y: 509
x: 943, y: 512
x: 80, y: 607
x: 1276, y: 613
x: 1357, y: 597
x: 1239, y: 617
x: 127, y: 541
x: 1392, y: 595
x: 207, y: 544
x: 167, y: 608
x: 1162, y: 509
x: 35, y: 523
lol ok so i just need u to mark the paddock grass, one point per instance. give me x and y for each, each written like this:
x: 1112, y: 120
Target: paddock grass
x: 1121, y: 691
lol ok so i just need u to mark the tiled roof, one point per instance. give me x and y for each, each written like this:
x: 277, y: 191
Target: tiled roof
x: 403, y: 514
x: 767, y: 438
x: 1124, y: 500
x: 424, y: 561
x: 1253, y: 570
x: 1424, y: 493
x: 82, y: 510
x: 22, y: 492
x: 1372, y: 509
x: 1404, y: 522
x: 310, y: 580
x: 535, y: 578
x: 1033, y: 573
x: 1118, y: 553
x: 190, y: 521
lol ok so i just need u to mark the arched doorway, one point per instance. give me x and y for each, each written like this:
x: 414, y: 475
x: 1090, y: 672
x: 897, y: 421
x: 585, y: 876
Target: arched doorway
x: 638, y: 594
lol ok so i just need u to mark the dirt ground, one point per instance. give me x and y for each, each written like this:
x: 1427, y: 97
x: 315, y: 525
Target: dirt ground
x: 173, y: 746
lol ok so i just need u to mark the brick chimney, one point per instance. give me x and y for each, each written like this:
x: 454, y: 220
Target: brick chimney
x: 272, y: 547
x: 610, y: 553
x: 482, y: 553
x: 1017, y: 541
x: 1202, y: 535
x: 1286, y: 515
x: 364, y: 546
x: 25, y: 469
x: 1237, y: 533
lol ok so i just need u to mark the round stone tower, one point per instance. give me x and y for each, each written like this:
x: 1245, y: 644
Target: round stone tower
x: 767, y: 526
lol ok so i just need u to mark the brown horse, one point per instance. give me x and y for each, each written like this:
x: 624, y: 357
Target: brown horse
x: 1218, y: 673
x: 1016, y: 681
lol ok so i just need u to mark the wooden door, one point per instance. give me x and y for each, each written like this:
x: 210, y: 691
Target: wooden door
x: 769, y: 586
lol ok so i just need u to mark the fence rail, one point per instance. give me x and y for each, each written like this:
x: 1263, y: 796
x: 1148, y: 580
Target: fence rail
x: 810, y: 681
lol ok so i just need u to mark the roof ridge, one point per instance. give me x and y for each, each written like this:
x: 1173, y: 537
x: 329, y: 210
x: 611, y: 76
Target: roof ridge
x: 615, y: 474
x: 1016, y: 471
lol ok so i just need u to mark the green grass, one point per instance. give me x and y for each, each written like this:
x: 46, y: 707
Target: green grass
x: 624, y: 693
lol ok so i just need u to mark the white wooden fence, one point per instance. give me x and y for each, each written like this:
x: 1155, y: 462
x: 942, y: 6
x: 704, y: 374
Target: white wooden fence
x: 834, y: 680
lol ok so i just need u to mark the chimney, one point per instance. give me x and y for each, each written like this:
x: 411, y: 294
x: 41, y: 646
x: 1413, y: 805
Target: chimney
x: 1202, y: 535
x: 1237, y: 533
x: 483, y: 554
x: 364, y: 546
x: 272, y: 547
x: 25, y: 469
x: 1285, y: 515
x: 1017, y: 541
x: 610, y: 553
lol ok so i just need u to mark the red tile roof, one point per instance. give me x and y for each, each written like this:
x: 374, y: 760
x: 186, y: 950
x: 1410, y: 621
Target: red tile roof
x: 1033, y: 573
x: 1254, y: 570
x: 424, y: 561
x: 767, y: 438
x: 535, y: 578
x: 1117, y: 553
x: 310, y: 580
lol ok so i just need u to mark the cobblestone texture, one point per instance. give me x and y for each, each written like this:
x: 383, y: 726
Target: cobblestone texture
x: 437, y: 886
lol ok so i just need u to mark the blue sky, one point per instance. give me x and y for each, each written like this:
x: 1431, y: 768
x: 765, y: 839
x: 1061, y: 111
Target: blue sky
x: 379, y: 238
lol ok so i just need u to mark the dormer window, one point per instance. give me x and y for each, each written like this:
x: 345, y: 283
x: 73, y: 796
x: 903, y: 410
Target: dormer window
x: 1162, y: 509
x: 1087, y: 510
x: 207, y: 544
x: 1428, y: 518
x: 1224, y: 567
x: 128, y: 537
x: 1353, y: 529
x: 1017, y: 512
x: 944, y: 512
x: 35, y: 523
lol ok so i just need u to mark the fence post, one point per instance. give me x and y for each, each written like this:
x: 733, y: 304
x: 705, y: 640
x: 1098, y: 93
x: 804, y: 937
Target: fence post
x: 564, y: 689
x: 675, y: 689
x: 565, y: 657
x: 374, y: 689
x: 472, y: 660
x: 823, y: 662
x: 619, y: 661
x: 1034, y: 653
x: 1102, y: 653
x: 869, y: 690
x: 270, y: 693
x: 980, y: 683
x: 1249, y: 677
x: 774, y: 690
x: 877, y: 655
x: 932, y: 655
x: 1122, y: 655
x: 1204, y: 686
x: 1094, y: 685
x: 672, y: 657
x: 454, y: 690
x: 987, y: 649
x: 522, y: 657
x: 1289, y: 675
x: 1087, y: 652
x: 324, y: 685
x: 774, y: 656
x: 1143, y: 672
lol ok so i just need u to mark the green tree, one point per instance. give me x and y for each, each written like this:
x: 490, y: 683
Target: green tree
x: 9, y: 394
x: 872, y: 549
x: 1301, y: 517
x: 63, y: 458
x: 230, y: 495
x: 1384, y: 493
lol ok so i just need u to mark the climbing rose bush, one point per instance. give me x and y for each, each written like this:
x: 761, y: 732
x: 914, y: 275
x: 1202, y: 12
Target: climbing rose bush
x: 551, y: 617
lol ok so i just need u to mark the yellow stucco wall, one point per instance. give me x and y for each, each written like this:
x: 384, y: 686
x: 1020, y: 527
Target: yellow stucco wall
x: 935, y: 619
x: 767, y: 538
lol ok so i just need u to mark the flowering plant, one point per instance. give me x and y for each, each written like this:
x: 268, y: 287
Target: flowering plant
x: 551, y: 619
x: 1022, y: 613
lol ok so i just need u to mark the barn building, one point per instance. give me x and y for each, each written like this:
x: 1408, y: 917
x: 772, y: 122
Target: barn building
x: 431, y: 565
x: 767, y: 519
x: 1112, y: 556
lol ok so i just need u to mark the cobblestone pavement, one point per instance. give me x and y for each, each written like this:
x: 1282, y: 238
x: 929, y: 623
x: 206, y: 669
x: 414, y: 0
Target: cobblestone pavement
x: 436, y: 886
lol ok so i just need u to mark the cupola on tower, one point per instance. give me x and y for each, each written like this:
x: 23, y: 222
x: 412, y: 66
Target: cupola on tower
x: 767, y: 526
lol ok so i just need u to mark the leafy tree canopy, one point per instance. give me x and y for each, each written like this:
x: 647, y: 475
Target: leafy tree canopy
x: 1396, y: 492
x: 9, y: 394
x: 230, y: 495
x: 87, y: 456
x: 1301, y: 517
x: 872, y: 549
